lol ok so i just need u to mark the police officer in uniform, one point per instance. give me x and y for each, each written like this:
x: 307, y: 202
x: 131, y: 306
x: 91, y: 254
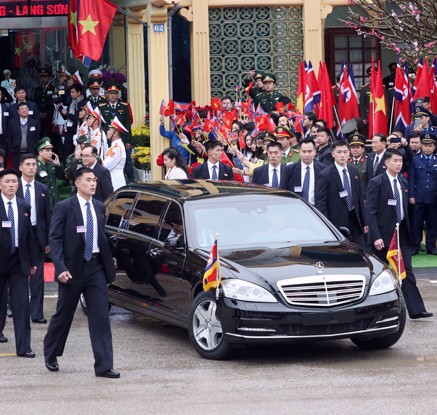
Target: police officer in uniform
x: 43, y: 97
x: 289, y: 155
x: 269, y: 97
x: 49, y: 169
x: 358, y: 159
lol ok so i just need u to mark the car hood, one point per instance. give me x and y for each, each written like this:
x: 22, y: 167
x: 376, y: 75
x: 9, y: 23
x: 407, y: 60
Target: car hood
x: 273, y: 264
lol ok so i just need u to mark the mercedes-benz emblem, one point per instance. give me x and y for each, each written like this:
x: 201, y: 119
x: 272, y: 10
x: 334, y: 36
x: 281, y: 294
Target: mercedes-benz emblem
x: 319, y: 265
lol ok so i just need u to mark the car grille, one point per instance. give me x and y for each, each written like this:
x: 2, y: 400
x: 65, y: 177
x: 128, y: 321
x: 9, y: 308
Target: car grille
x: 322, y: 290
x: 299, y: 330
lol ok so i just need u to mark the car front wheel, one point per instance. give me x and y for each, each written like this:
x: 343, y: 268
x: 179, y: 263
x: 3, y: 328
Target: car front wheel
x: 205, y: 329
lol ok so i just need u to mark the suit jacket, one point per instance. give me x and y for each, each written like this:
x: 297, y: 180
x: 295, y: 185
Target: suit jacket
x: 325, y: 155
x: 33, y: 110
x: 202, y: 172
x: 104, y: 183
x: 294, y: 173
x: 5, y: 121
x: 14, y: 134
x: 261, y: 175
x: 369, y: 167
x: 26, y: 245
x: 42, y: 203
x: 328, y: 200
x: 381, y: 215
x: 67, y: 245
x: 422, y: 179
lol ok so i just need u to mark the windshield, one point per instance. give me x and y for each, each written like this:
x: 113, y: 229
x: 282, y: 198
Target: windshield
x: 255, y: 220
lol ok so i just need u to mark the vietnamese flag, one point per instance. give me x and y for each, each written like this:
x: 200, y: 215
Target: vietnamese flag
x: 169, y: 109
x: 378, y: 111
x: 72, y: 25
x: 94, y: 19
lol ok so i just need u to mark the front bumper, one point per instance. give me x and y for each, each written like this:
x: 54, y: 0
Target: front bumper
x: 245, y: 322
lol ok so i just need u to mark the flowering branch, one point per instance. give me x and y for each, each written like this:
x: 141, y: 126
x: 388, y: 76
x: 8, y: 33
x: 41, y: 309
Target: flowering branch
x: 406, y: 26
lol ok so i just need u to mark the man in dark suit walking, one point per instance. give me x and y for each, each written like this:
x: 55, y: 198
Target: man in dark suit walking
x: 4, y: 119
x: 36, y: 195
x: 387, y: 204
x: 17, y: 257
x: 274, y: 173
x: 104, y: 184
x: 83, y: 264
x: 375, y: 159
x: 303, y: 175
x: 339, y: 196
x: 213, y: 168
x: 23, y: 134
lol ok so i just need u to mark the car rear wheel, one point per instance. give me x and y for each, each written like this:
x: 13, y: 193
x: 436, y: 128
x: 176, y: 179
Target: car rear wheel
x: 385, y: 342
x: 205, y: 329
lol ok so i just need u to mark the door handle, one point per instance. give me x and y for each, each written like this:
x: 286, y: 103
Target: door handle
x: 155, y: 253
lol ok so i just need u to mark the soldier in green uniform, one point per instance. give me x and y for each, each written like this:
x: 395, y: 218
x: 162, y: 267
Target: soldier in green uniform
x: 49, y: 169
x: 284, y: 136
x: 268, y: 97
x: 258, y: 85
x: 358, y: 159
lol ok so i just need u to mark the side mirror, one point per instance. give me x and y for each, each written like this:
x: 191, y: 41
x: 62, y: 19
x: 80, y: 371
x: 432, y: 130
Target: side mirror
x: 345, y: 232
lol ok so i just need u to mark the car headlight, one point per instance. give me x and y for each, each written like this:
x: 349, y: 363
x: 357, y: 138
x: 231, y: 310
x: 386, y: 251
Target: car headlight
x: 246, y: 291
x: 384, y: 283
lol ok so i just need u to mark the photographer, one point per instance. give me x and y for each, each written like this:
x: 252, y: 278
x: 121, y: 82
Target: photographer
x: 394, y: 141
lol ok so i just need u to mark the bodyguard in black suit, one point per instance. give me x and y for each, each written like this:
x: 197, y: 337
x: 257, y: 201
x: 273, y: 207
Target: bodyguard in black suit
x: 23, y: 134
x: 37, y: 196
x: 274, y: 173
x: 303, y: 175
x: 4, y: 119
x: 83, y: 264
x: 375, y: 159
x: 387, y: 204
x: 17, y: 257
x: 213, y: 168
x: 104, y: 183
x: 339, y: 196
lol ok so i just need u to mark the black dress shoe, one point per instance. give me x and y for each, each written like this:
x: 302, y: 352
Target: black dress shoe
x: 29, y: 354
x: 113, y: 374
x: 431, y: 251
x: 3, y: 338
x: 41, y: 320
x: 52, y: 366
x: 423, y: 314
x: 414, y: 251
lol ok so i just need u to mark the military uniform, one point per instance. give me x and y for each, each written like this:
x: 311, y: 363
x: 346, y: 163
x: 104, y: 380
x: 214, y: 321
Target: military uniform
x: 290, y: 155
x: 267, y: 100
x: 99, y: 141
x: 100, y: 99
x: 43, y: 97
x: 121, y: 111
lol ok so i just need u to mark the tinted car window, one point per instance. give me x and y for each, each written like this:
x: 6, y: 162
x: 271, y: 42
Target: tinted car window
x: 146, y: 214
x: 172, y: 230
x: 119, y: 209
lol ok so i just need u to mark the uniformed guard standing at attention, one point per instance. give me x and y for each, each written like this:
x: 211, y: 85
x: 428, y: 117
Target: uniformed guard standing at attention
x: 95, y: 98
x: 49, y: 169
x: 269, y: 97
x: 43, y: 97
x: 358, y: 159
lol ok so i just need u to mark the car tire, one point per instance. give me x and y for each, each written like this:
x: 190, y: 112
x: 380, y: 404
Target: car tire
x: 378, y: 343
x: 205, y: 329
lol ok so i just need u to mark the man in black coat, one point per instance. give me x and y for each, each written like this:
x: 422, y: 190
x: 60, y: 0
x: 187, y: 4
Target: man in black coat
x: 43, y: 97
x: 213, y: 168
x: 339, y: 196
x: 83, y: 264
x: 387, y: 204
x: 23, y: 134
x: 324, y: 147
x: 104, y: 183
x: 37, y: 196
x: 17, y: 257
x: 4, y: 119
x: 375, y: 159
x: 21, y: 96
x: 303, y: 175
x: 274, y: 173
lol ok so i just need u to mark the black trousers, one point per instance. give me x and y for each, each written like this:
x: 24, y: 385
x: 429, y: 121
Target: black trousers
x: 428, y: 213
x: 355, y: 230
x: 93, y: 285
x: 411, y: 293
x: 19, y: 291
x: 36, y: 284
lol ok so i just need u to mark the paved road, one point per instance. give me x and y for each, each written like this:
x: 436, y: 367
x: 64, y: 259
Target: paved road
x: 161, y: 374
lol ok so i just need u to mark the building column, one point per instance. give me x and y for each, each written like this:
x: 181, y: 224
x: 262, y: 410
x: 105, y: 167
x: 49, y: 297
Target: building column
x: 158, y: 88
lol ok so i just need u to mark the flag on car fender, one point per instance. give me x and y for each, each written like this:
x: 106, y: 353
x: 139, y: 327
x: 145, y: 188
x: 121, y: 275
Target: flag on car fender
x: 211, y: 277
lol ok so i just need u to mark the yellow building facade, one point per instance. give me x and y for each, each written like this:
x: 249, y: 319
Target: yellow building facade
x: 196, y: 12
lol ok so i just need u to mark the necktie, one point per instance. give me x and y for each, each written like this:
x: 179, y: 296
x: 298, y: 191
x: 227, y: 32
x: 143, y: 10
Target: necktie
x: 214, y: 173
x: 27, y: 194
x: 284, y: 154
x: 355, y: 162
x: 89, y: 234
x: 375, y: 164
x: 347, y: 187
x: 428, y: 161
x: 306, y: 184
x: 275, y: 180
x: 398, y: 200
x: 12, y: 228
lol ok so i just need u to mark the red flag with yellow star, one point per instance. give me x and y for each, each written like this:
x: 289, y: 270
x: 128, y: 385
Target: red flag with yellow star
x: 93, y: 20
x: 378, y: 110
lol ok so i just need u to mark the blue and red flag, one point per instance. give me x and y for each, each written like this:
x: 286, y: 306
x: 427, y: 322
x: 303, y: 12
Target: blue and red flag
x: 403, y: 98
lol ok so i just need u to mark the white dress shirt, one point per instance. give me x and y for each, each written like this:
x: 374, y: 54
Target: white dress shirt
x: 210, y: 168
x: 83, y: 208
x: 15, y: 210
x: 32, y: 199
x: 278, y: 172
x: 311, y: 193
x: 392, y: 178
x: 340, y: 172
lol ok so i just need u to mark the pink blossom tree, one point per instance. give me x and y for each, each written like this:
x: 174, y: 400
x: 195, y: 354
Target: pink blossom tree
x: 409, y: 27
